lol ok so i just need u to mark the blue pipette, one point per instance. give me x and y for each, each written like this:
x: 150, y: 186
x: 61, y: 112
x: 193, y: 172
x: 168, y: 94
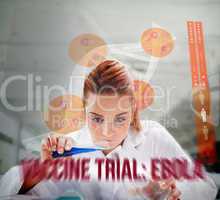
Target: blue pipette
x: 74, y: 151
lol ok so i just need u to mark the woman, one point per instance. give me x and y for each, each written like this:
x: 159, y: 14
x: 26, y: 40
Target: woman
x: 113, y: 122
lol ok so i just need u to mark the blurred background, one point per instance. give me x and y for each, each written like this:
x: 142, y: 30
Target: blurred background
x: 34, y: 41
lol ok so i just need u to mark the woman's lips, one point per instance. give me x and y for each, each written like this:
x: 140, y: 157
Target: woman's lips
x: 104, y: 143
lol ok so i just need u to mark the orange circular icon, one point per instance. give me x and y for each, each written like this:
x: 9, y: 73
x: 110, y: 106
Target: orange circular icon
x: 65, y: 114
x: 88, y: 50
x: 157, y: 42
x: 144, y: 94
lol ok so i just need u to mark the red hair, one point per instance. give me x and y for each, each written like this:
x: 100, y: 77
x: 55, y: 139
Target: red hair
x: 109, y: 77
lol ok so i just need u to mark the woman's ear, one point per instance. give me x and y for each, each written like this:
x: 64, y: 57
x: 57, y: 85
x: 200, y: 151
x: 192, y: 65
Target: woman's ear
x: 135, y: 121
x: 134, y: 107
x: 85, y: 114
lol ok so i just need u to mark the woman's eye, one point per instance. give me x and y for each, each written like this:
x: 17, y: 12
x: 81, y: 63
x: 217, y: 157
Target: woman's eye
x: 97, y: 120
x: 120, y: 120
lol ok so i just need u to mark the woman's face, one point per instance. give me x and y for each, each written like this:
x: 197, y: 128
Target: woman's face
x: 108, y: 118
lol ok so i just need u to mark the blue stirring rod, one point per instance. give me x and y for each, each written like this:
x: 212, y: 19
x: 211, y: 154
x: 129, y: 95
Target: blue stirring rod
x: 74, y: 151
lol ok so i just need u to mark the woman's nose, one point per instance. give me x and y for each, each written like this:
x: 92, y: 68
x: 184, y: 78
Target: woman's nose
x: 108, y: 129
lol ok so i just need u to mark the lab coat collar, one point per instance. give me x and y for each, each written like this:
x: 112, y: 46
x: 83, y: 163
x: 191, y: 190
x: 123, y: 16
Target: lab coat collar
x: 133, y: 138
x: 128, y: 147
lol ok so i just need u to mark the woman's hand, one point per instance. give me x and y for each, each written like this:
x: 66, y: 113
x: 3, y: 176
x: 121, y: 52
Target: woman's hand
x: 51, y: 143
x: 162, y: 189
x: 174, y: 192
x: 159, y: 190
x: 55, y: 142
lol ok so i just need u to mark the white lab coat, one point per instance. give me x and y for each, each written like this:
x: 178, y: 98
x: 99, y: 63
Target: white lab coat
x: 152, y: 142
